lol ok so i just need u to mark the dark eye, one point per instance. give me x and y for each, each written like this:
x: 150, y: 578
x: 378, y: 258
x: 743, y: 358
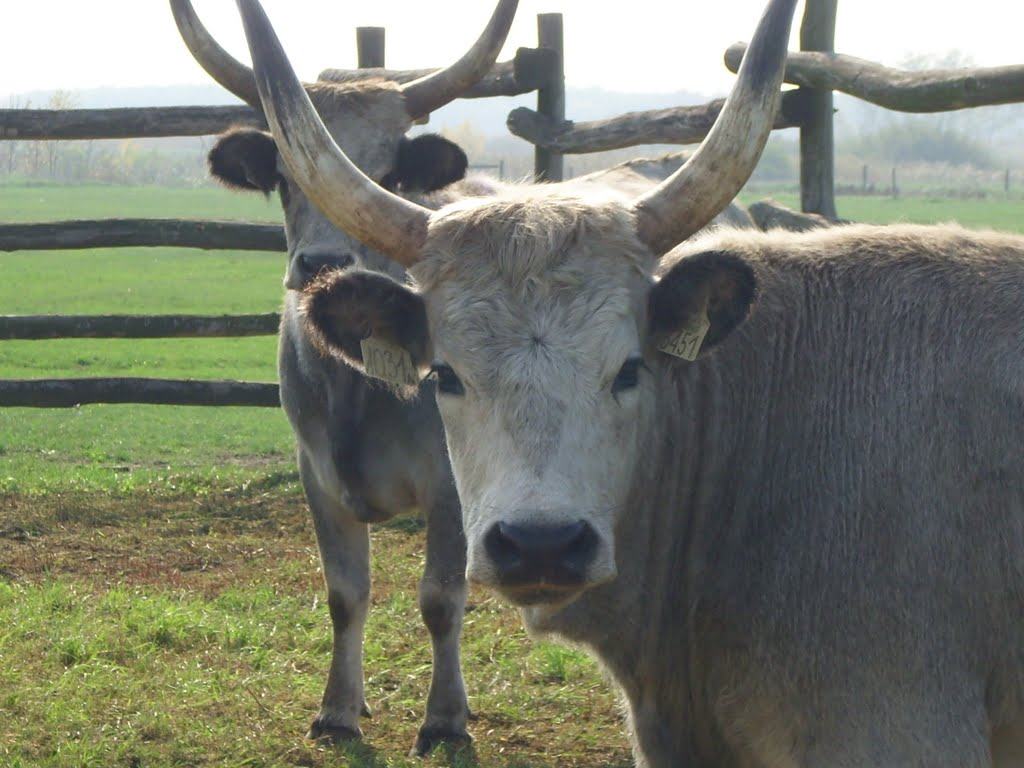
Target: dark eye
x: 447, y: 381
x: 628, y: 376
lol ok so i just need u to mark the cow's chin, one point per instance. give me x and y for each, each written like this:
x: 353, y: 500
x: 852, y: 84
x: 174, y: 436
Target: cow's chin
x: 550, y: 596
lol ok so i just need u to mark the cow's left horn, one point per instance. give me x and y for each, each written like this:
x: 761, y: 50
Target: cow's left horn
x: 218, y: 63
x: 381, y: 220
x: 697, y: 192
x: 435, y: 90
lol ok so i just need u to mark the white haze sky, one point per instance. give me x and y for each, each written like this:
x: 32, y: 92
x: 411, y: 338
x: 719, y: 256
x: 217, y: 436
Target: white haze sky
x: 639, y: 45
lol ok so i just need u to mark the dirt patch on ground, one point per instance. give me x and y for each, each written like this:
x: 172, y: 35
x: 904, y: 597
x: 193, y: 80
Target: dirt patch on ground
x: 200, y: 543
x: 207, y: 542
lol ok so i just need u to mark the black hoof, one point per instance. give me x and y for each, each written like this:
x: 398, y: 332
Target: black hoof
x: 332, y: 734
x: 429, y: 738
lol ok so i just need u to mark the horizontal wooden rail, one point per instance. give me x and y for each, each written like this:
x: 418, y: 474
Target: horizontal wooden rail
x: 937, y: 90
x: 531, y: 68
x: 30, y: 327
x: 124, y: 122
x: 67, y: 393
x: 676, y: 125
x: 116, y: 233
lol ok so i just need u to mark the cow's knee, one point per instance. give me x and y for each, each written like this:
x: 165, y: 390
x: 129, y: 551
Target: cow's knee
x: 442, y: 604
x: 348, y: 606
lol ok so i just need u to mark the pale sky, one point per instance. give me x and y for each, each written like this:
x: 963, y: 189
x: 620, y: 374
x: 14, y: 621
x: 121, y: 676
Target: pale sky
x: 654, y: 46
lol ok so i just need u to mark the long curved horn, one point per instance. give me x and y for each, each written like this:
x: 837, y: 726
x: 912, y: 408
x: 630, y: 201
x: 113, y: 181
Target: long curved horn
x: 352, y: 202
x: 219, y: 64
x: 697, y: 192
x: 435, y: 90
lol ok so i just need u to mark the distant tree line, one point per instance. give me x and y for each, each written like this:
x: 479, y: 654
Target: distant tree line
x: 165, y: 162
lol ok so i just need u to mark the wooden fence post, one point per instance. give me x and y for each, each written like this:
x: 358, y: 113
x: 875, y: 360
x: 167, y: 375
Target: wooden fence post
x: 547, y: 165
x: 817, y: 147
x: 370, y: 47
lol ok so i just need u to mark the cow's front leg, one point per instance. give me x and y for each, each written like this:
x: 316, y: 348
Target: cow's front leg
x: 442, y: 596
x: 345, y: 555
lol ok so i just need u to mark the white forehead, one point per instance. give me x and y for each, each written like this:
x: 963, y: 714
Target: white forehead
x: 536, y: 284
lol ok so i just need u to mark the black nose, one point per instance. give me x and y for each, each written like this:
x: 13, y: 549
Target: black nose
x: 541, y: 554
x: 313, y: 263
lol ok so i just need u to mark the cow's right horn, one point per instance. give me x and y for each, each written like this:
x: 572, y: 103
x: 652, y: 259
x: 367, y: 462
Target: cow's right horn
x: 717, y: 171
x: 381, y: 220
x: 218, y: 63
x: 435, y: 90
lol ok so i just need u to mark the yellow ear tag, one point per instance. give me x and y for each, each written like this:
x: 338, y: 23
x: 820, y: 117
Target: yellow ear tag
x: 388, y: 362
x: 685, y: 343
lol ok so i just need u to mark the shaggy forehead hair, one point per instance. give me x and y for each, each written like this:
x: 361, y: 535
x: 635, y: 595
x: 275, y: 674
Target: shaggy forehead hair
x: 533, y: 285
x: 528, y: 240
x: 377, y: 104
x: 354, y: 96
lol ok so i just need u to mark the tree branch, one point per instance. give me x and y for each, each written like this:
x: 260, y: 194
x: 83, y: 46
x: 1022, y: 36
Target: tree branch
x: 937, y: 90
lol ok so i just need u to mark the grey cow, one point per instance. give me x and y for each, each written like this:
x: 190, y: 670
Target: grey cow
x: 800, y: 545
x: 364, y: 455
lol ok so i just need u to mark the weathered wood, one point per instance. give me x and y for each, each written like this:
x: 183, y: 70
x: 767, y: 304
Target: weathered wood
x: 525, y: 73
x: 548, y: 165
x: 769, y: 214
x: 136, y: 326
x: 116, y: 233
x: 817, y: 142
x: 67, y: 393
x: 676, y: 125
x: 124, y: 123
x: 933, y: 90
x: 370, y: 47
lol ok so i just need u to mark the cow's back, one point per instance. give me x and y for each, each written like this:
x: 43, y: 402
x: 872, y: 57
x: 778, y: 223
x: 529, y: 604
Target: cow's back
x: 879, y: 527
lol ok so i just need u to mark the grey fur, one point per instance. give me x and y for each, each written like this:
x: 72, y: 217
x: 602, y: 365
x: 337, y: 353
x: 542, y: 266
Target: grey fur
x: 818, y: 541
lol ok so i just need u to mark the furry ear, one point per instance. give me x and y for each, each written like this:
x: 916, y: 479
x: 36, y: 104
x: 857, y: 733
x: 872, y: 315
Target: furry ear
x: 700, y: 301
x: 344, y: 309
x: 426, y: 163
x: 244, y: 158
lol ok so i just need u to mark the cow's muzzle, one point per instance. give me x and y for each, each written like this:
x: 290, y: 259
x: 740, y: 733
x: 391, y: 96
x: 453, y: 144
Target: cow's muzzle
x: 533, y: 563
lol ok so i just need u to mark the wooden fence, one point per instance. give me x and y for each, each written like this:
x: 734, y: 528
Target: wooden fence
x: 816, y: 69
x: 532, y: 69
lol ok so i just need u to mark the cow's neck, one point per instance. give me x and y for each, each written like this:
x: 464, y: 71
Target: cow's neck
x: 679, y: 531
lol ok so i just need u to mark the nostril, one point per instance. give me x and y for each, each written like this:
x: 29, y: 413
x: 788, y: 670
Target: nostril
x: 581, y: 549
x: 502, y: 546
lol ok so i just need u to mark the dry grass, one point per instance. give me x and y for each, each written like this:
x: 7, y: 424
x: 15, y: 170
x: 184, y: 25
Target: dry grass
x: 161, y: 630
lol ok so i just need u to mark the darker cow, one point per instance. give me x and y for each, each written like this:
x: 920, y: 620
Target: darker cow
x: 802, y: 543
x: 364, y: 455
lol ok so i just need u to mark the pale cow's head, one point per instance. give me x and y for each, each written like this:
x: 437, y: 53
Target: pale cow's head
x: 367, y: 118
x: 540, y: 314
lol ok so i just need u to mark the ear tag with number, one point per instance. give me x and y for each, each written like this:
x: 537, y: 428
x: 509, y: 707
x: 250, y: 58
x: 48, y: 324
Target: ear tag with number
x: 388, y: 362
x: 685, y: 343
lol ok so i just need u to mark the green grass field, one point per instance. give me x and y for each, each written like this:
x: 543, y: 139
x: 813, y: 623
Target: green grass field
x: 994, y: 213
x: 161, y: 600
x: 122, y: 446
